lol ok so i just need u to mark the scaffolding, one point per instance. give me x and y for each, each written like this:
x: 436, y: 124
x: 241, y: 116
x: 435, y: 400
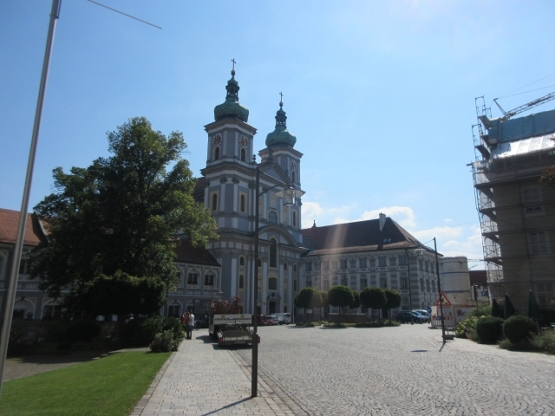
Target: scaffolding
x: 516, y: 212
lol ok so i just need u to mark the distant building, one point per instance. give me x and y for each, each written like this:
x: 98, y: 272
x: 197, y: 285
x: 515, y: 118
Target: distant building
x: 516, y: 211
x: 372, y: 253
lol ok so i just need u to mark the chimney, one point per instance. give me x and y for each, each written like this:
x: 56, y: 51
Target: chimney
x: 382, y: 221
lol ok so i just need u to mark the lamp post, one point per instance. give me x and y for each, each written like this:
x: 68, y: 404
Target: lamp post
x: 289, y: 194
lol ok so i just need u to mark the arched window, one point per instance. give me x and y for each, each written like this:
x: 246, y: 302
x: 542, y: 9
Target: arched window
x: 243, y: 155
x: 214, y: 202
x: 259, y: 262
x: 294, y: 218
x: 241, y: 282
x: 209, y: 279
x: 272, y: 283
x: 273, y: 253
x: 216, y: 153
x: 285, y: 309
x: 241, y: 261
x: 284, y: 266
x: 272, y: 217
x: 293, y: 177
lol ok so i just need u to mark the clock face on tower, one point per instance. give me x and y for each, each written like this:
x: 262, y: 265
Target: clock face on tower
x: 244, y: 141
x: 217, y: 140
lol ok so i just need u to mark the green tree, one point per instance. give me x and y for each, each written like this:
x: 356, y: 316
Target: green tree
x: 374, y: 298
x: 393, y: 300
x: 308, y: 298
x: 324, y: 303
x: 120, y: 214
x: 340, y: 296
x: 356, y: 302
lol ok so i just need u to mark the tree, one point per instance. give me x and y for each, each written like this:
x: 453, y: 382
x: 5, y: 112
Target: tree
x: 324, y: 303
x: 373, y: 297
x: 340, y: 296
x: 393, y: 300
x: 308, y: 298
x: 120, y: 215
x: 356, y: 302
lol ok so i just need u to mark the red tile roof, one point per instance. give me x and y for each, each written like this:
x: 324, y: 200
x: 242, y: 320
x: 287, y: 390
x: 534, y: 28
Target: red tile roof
x: 9, y: 223
x: 357, y: 236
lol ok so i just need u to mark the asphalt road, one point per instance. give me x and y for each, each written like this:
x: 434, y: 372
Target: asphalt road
x: 401, y: 371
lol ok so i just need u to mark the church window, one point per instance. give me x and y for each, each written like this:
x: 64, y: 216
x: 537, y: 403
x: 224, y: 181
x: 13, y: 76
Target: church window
x: 382, y: 261
x: 243, y: 155
x: 259, y: 262
x: 293, y: 177
x: 294, y: 218
x: 285, y: 266
x: 363, y: 263
x: 295, y: 268
x: 343, y: 264
x: 273, y: 253
x: 402, y: 260
x: 214, y: 202
x: 272, y: 283
x: 241, y: 261
x: 308, y: 266
x: 216, y: 153
x: 243, y: 203
x: 241, y: 282
x: 272, y: 217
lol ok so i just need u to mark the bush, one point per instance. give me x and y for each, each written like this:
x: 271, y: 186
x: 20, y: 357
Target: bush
x: 24, y: 335
x: 82, y: 330
x: 141, y: 332
x: 519, y: 328
x: 164, y: 342
x: 489, y: 329
x: 545, y: 342
x: 466, y: 328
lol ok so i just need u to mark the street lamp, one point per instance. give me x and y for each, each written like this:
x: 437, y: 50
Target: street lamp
x: 289, y: 195
x: 421, y: 252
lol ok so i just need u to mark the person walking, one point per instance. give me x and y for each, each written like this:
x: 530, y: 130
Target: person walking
x: 185, y: 322
x: 190, y: 325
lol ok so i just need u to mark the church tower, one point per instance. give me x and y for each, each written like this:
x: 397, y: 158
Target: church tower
x: 231, y: 196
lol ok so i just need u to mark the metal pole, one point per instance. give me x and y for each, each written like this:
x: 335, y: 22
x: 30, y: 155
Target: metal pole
x: 408, y: 270
x: 14, y: 272
x: 254, y: 378
x: 440, y: 294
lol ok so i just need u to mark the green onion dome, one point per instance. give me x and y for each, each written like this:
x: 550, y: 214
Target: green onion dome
x: 280, y: 135
x: 231, y: 107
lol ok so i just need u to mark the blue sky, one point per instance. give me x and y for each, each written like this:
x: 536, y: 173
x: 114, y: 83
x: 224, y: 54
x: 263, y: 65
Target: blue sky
x: 380, y: 94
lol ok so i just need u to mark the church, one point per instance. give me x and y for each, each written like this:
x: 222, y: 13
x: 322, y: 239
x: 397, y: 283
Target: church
x: 257, y: 204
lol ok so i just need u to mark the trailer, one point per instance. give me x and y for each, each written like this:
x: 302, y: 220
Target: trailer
x: 231, y: 329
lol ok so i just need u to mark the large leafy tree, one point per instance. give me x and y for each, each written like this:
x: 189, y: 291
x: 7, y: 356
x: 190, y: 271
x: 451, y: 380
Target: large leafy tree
x: 340, y: 296
x: 120, y: 214
x: 374, y: 298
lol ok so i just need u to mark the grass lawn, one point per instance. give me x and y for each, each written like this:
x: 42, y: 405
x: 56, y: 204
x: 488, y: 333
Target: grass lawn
x: 109, y: 386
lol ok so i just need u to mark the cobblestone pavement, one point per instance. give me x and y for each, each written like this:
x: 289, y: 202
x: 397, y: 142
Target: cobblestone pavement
x: 203, y: 379
x: 401, y: 371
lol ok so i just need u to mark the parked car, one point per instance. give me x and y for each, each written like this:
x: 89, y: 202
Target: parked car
x: 283, y: 318
x: 424, y: 313
x: 274, y: 320
x: 266, y: 320
x: 409, y: 316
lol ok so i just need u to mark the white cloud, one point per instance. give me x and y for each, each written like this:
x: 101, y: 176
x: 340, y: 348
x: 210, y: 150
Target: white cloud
x: 404, y: 216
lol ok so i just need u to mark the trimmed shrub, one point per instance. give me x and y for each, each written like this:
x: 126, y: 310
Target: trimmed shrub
x: 489, y: 329
x: 164, y: 342
x: 545, y: 342
x: 519, y: 328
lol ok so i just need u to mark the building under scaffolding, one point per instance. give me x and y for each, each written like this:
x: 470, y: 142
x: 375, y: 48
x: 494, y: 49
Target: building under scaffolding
x: 516, y: 210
